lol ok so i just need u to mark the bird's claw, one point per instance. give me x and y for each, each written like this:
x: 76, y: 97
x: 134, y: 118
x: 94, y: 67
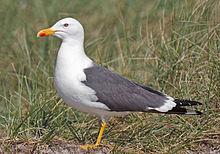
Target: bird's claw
x: 89, y: 146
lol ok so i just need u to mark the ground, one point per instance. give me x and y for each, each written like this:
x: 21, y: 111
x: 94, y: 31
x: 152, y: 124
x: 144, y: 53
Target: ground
x: 61, y: 146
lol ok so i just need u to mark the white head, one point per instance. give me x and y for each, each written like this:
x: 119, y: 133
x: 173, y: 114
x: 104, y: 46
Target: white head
x: 66, y: 29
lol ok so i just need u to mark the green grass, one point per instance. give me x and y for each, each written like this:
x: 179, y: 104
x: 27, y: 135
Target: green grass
x: 171, y: 45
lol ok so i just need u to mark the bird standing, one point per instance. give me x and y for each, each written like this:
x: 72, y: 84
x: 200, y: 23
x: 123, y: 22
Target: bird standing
x: 93, y: 89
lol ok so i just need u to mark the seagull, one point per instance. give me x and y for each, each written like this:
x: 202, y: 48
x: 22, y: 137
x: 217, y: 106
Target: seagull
x: 90, y: 88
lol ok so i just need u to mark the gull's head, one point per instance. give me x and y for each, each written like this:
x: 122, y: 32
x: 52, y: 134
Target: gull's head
x: 67, y: 28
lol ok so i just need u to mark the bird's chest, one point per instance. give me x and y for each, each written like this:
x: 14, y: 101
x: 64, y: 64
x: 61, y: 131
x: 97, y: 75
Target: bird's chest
x: 71, y: 89
x: 69, y: 74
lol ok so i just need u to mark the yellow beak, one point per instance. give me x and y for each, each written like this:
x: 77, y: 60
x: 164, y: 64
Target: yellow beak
x: 45, y: 32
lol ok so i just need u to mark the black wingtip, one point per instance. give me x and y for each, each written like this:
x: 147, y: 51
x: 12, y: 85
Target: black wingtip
x: 183, y: 102
x: 181, y: 110
x: 198, y: 113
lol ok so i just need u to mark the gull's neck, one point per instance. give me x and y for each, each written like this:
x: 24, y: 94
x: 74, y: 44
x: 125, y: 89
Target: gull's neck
x: 71, y: 56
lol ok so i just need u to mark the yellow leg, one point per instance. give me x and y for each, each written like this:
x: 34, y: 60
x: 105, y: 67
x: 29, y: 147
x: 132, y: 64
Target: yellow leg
x: 93, y: 146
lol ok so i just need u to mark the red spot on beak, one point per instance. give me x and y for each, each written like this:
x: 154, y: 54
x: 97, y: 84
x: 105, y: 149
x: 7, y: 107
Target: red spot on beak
x: 42, y: 34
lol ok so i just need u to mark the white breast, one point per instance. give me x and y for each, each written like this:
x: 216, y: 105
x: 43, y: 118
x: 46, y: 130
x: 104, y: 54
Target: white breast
x: 69, y: 75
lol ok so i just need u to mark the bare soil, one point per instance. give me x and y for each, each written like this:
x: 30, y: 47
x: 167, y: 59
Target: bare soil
x: 55, y: 147
x: 68, y: 147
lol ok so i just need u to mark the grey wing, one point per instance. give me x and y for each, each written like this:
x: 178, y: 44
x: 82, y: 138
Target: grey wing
x: 120, y: 94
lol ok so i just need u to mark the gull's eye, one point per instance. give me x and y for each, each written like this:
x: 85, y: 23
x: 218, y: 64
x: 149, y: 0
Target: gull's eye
x: 66, y: 25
